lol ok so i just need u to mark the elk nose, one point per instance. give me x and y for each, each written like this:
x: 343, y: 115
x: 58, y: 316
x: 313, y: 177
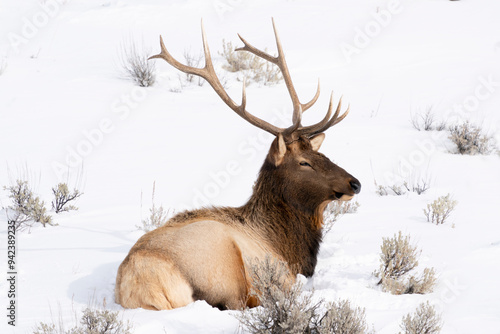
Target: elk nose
x: 355, y: 186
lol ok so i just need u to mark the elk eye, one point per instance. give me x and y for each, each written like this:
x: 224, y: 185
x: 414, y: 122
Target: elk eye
x: 304, y: 163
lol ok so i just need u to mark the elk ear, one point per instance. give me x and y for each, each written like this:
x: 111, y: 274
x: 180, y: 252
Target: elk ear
x: 316, y: 141
x: 277, y: 151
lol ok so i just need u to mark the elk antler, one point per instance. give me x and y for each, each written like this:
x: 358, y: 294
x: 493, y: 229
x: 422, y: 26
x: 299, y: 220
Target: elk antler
x: 292, y: 132
x: 298, y: 108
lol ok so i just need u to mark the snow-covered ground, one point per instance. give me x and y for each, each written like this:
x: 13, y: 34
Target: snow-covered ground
x: 64, y: 107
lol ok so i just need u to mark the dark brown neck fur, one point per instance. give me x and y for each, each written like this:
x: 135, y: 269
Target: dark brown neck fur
x: 295, y: 234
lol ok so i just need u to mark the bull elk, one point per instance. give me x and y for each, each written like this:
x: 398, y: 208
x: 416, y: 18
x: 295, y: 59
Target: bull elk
x: 204, y: 254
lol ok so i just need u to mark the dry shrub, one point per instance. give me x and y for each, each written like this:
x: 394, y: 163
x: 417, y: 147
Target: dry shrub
x: 26, y: 208
x: 418, y: 182
x: 63, y: 197
x: 397, y: 259
x: 470, y: 139
x: 395, y: 189
x: 135, y: 64
x: 382, y: 190
x: 341, y: 318
x: 192, y: 60
x: 413, y: 183
x: 420, y: 186
x: 251, y: 66
x: 238, y: 61
x: 439, y: 211
x: 425, y: 320
x: 423, y: 121
x: 410, y: 284
x: 286, y: 309
x: 158, y: 216
x: 92, y: 321
x: 424, y: 284
x: 398, y: 256
x: 334, y: 211
x: 426, y: 121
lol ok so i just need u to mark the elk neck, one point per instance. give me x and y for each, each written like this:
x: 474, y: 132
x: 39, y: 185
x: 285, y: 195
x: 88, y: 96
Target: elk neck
x: 293, y: 233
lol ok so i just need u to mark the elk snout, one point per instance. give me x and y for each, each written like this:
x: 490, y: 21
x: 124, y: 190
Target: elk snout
x: 355, y: 186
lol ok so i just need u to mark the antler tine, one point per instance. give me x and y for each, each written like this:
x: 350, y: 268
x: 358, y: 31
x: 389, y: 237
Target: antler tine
x: 327, y: 122
x: 165, y: 55
x: 259, y: 53
x: 333, y: 121
x: 313, y: 100
x: 280, y: 61
x: 208, y: 73
x: 206, y: 50
x: 341, y: 118
x: 244, y: 96
x: 313, y: 128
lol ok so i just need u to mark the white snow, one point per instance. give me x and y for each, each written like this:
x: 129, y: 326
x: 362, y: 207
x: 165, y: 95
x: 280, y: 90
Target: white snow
x: 61, y: 84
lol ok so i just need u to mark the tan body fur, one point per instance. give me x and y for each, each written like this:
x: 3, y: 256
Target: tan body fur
x: 193, y: 259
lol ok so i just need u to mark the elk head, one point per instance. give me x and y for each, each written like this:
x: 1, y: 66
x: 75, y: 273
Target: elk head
x: 309, y: 179
x: 294, y: 169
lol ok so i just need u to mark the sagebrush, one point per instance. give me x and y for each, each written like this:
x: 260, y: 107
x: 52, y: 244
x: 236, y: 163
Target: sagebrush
x: 192, y: 60
x: 420, y: 186
x: 398, y: 257
x: 157, y: 215
x: 62, y: 198
x: 252, y: 67
x: 411, y: 284
x: 470, y: 139
x: 335, y: 210
x: 92, y: 321
x: 395, y: 189
x: 285, y: 308
x: 425, y: 320
x: 135, y: 64
x: 26, y: 207
x: 340, y: 317
x: 426, y: 120
x: 440, y: 210
x: 413, y: 183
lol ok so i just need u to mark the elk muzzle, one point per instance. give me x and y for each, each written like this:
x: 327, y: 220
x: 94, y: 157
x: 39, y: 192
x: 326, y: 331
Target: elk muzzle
x: 353, y: 189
